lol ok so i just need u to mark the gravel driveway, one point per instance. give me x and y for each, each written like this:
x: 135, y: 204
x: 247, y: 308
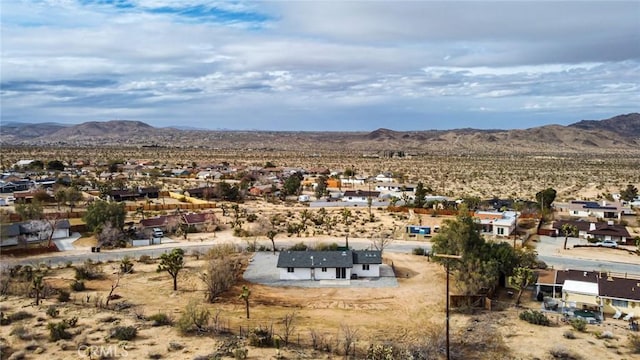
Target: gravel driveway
x: 262, y: 270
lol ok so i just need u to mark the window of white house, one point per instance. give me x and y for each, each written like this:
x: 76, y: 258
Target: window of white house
x: 324, y: 269
x: 290, y: 270
x: 500, y: 231
x: 365, y: 266
x: 620, y: 303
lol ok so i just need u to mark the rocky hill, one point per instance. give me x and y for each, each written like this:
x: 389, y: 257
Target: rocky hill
x: 618, y: 134
x: 624, y: 125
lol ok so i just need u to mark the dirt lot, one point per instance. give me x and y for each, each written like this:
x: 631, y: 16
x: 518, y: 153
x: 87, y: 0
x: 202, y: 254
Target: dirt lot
x: 409, y: 313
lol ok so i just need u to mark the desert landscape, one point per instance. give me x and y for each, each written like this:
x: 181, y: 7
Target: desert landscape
x: 126, y: 306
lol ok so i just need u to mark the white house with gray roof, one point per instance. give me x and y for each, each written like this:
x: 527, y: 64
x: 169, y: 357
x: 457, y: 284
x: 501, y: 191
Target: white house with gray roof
x: 329, y: 265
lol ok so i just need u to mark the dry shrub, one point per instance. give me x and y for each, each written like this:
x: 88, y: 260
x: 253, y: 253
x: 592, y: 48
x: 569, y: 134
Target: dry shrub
x: 219, y: 277
x: 634, y: 343
x: 194, y: 318
x: 561, y: 352
x: 221, y: 251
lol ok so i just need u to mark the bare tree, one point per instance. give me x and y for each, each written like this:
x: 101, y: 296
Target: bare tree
x: 382, y: 241
x: 287, y: 327
x: 120, y: 272
x: 349, y: 339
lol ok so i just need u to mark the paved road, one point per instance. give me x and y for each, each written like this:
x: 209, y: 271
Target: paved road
x: 547, y: 250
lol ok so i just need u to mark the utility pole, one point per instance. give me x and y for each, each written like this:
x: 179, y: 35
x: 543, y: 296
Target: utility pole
x: 448, y: 257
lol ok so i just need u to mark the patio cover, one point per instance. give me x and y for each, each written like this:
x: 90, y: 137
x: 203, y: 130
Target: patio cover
x: 580, y: 287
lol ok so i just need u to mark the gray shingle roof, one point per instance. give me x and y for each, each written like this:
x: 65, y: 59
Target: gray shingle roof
x: 307, y: 259
x: 367, y: 257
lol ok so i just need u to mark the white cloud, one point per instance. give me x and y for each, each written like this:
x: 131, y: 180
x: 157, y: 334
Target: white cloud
x: 281, y: 62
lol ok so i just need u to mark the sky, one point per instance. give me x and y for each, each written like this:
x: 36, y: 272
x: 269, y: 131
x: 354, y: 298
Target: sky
x: 319, y: 65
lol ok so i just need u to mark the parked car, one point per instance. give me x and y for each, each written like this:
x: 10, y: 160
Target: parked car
x: 607, y: 243
x: 158, y: 233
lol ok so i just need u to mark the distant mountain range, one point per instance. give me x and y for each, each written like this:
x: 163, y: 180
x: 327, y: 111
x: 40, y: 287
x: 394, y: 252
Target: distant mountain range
x: 617, y: 134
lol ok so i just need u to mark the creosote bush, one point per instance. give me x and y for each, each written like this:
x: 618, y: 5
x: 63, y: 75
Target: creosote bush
x: 194, y: 318
x: 579, y: 324
x: 261, y: 337
x: 58, y: 331
x: 78, y: 285
x: 534, y: 317
x: 124, y: 333
x: 160, y: 319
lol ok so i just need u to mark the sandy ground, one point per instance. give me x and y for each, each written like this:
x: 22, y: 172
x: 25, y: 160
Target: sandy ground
x: 399, y: 314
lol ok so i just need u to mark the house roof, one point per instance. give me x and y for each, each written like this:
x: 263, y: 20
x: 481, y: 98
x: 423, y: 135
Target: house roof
x: 361, y: 193
x: 63, y: 224
x: 576, y: 275
x: 612, y: 230
x: 367, y: 257
x: 9, y: 230
x: 308, y: 259
x: 153, y: 222
x: 195, y: 218
x: 620, y: 288
x: 546, y: 277
x: 601, y: 228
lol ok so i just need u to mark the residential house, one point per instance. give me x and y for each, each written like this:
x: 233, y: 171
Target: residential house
x: 15, y: 185
x: 497, y: 223
x: 620, y: 294
x: 354, y: 180
x: 168, y: 223
x: 386, y: 177
x: 9, y: 234
x: 586, y: 209
x: 260, y: 190
x: 597, y: 230
x: 32, y: 231
x: 599, y: 291
x: 359, y: 195
x: 199, y: 221
x: 329, y: 265
x: 135, y: 194
x: 395, y: 187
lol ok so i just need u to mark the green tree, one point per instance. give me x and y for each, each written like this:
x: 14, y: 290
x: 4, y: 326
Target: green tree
x: 100, y: 212
x: 225, y: 191
x: 349, y: 172
x: 61, y: 196
x: 420, y: 194
x: 477, y: 268
x: 245, y: 296
x: 545, y: 198
x: 172, y: 263
x: 629, y: 193
x: 568, y: 230
x: 321, y: 186
x: 36, y: 165
x: 521, y: 279
x: 73, y: 196
x: 292, y: 184
x: 31, y: 211
x: 55, y: 165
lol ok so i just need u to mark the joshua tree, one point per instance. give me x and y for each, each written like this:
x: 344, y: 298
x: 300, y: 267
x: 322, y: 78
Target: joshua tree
x: 568, y: 230
x: 245, y: 296
x: 172, y: 263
